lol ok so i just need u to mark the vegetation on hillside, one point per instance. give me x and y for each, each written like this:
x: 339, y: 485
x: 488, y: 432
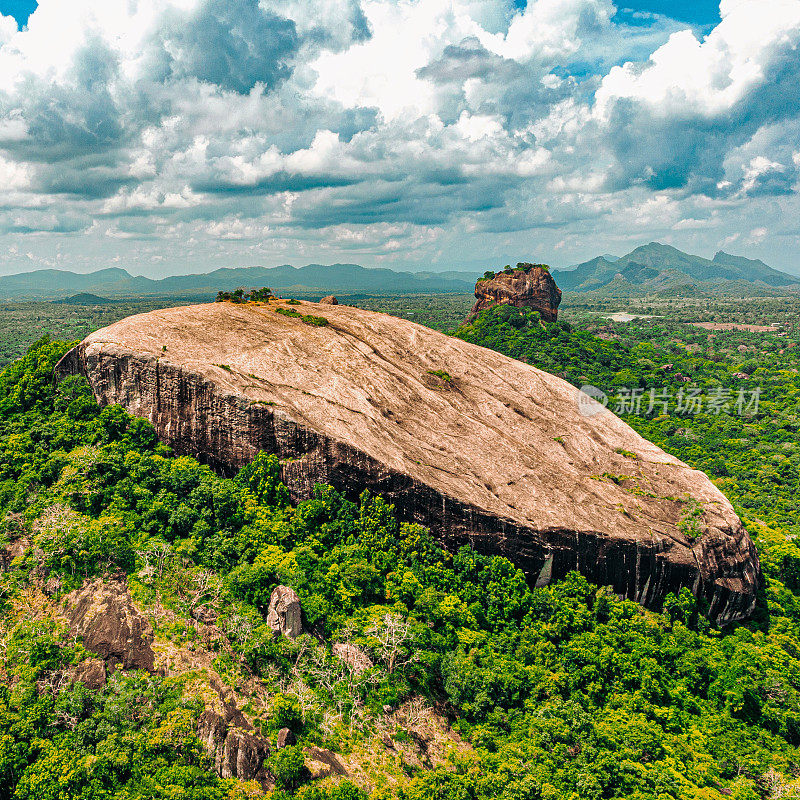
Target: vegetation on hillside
x: 560, y: 692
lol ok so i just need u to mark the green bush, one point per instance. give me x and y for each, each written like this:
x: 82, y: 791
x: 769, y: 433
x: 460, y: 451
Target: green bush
x: 288, y: 767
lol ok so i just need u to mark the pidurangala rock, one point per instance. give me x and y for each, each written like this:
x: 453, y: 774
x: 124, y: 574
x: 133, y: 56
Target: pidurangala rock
x: 484, y: 450
x: 528, y: 286
x: 284, y: 614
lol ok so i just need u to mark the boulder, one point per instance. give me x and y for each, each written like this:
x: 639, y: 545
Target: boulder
x: 322, y: 763
x: 91, y: 673
x: 237, y: 752
x: 284, y: 615
x: 330, y: 300
x: 528, y: 286
x: 493, y: 454
x: 285, y: 738
x: 103, y: 614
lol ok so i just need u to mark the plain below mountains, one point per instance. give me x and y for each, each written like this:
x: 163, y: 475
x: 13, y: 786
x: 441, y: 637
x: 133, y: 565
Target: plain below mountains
x: 660, y: 269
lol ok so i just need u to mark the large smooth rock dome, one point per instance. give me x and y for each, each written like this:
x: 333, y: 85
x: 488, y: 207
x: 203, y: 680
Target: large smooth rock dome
x: 483, y: 449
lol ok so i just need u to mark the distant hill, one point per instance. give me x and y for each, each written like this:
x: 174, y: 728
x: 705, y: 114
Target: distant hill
x: 313, y: 279
x: 658, y: 268
x: 83, y: 299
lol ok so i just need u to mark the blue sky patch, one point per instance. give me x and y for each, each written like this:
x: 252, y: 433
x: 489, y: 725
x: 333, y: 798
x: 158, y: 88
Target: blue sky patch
x: 19, y: 9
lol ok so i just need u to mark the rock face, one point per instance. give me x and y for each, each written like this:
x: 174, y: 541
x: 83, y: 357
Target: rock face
x: 103, y: 614
x: 91, y: 673
x: 237, y: 751
x: 482, y: 449
x: 284, y: 615
x: 528, y: 286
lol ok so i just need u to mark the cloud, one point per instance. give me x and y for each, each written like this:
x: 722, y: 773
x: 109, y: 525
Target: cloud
x: 233, y: 44
x: 8, y: 27
x: 433, y: 130
x: 671, y: 122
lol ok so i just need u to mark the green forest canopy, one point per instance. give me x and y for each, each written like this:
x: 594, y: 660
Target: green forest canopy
x: 562, y: 692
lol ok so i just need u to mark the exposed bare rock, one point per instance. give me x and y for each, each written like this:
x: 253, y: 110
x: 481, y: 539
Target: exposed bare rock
x: 493, y: 453
x: 330, y: 300
x: 103, y: 614
x: 528, y: 286
x: 353, y: 656
x: 236, y: 750
x: 323, y: 763
x: 91, y: 673
x: 285, y: 738
x: 284, y: 615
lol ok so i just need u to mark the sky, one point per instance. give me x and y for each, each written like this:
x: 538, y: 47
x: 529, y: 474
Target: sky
x: 174, y: 136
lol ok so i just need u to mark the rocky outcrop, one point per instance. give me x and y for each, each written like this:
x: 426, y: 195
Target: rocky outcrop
x: 237, y: 752
x: 103, y: 615
x: 527, y: 286
x: 285, y: 739
x: 284, y: 614
x: 483, y: 449
x: 353, y: 656
x: 330, y: 300
x: 91, y: 673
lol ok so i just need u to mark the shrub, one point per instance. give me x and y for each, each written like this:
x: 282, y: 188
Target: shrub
x: 288, y: 767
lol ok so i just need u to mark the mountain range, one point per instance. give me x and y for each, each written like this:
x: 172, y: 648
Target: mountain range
x: 650, y: 269
x: 660, y: 269
x: 309, y: 280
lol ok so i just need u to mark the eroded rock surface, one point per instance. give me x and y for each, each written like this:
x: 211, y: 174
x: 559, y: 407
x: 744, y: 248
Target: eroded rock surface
x: 103, y: 614
x: 284, y: 614
x: 91, y: 673
x: 237, y: 751
x: 529, y: 286
x: 482, y: 449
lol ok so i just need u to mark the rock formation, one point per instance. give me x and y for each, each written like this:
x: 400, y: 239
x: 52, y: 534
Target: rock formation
x: 285, y: 739
x: 103, y: 614
x: 237, y: 752
x: 330, y: 300
x: 483, y: 449
x: 528, y: 286
x: 284, y: 614
x: 111, y: 627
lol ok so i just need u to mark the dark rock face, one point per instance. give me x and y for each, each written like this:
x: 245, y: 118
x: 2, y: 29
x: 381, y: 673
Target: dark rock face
x: 501, y: 456
x: 237, y: 751
x: 103, y: 614
x: 529, y: 286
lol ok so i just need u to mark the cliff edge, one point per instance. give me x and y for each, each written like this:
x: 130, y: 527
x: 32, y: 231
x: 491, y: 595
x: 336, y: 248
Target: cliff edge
x: 483, y: 449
